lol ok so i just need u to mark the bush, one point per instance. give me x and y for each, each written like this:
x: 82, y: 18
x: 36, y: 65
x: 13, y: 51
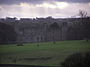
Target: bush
x: 20, y: 44
x: 77, y: 60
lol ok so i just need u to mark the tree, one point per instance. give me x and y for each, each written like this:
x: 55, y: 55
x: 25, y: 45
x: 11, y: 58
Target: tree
x: 82, y: 13
x: 85, y: 27
x: 54, y: 28
x: 20, y: 32
x: 7, y: 34
x: 77, y: 60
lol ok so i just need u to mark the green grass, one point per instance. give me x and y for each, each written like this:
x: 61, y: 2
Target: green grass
x: 12, y: 54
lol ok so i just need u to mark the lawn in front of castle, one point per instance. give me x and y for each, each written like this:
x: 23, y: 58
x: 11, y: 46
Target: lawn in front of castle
x: 44, y: 54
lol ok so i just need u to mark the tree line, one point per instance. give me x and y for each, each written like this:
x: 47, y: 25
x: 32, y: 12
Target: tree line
x: 42, y: 30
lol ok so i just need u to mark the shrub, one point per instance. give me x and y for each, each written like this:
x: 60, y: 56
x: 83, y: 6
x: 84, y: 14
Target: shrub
x: 77, y: 60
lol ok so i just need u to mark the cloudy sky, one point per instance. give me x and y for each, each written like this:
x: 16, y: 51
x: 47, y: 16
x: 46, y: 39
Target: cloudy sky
x: 43, y: 8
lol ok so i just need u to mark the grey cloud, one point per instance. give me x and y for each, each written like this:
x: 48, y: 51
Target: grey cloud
x: 40, y: 1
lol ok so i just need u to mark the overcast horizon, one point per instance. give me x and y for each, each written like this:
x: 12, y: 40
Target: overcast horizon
x: 43, y: 8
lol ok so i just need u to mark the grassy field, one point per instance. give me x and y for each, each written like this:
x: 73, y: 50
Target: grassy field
x: 46, y: 54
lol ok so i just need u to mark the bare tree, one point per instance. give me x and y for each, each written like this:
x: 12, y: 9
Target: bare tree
x: 82, y: 13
